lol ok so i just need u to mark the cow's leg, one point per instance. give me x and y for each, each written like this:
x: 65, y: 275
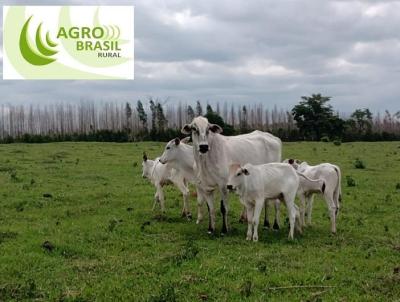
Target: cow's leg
x: 224, y: 210
x: 161, y: 197
x: 200, y: 200
x: 277, y: 204
x: 332, y: 210
x: 298, y: 223
x: 185, y: 194
x: 267, y: 225
x: 291, y: 210
x: 243, y: 215
x: 309, y: 206
x: 162, y: 200
x: 256, y: 217
x: 186, y: 205
x: 302, y: 198
x: 250, y: 212
x: 209, y: 196
x: 156, y: 200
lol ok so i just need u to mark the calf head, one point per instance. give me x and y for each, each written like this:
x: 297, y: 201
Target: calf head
x: 236, y: 176
x: 146, y: 166
x: 294, y: 162
x: 202, y: 132
x: 171, y: 151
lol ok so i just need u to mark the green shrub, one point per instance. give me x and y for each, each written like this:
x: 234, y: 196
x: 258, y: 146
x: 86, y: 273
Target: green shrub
x: 325, y: 139
x: 188, y: 252
x: 337, y: 142
x: 350, y: 181
x: 167, y: 294
x: 13, y: 176
x: 245, y: 289
x: 359, y: 164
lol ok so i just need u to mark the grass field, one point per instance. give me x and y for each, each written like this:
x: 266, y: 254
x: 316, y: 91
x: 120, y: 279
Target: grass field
x: 76, y: 225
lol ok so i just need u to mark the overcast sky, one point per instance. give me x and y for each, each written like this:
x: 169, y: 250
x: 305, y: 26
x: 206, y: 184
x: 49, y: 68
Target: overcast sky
x: 269, y: 52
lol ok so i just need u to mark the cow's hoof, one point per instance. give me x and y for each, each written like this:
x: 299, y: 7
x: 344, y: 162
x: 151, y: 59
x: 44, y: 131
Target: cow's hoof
x: 189, y: 216
x: 266, y: 224
x: 211, y: 231
x: 248, y: 238
x: 276, y: 226
x: 255, y: 239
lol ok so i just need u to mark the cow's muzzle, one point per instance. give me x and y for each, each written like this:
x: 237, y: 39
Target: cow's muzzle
x: 162, y: 161
x: 203, y: 148
x: 229, y: 187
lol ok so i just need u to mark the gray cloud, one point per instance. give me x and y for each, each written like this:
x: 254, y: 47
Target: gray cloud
x: 248, y: 51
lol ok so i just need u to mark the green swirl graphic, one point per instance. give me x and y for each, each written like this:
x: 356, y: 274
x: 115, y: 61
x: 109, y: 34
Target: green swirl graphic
x: 40, y: 57
x: 42, y: 47
x: 49, y: 42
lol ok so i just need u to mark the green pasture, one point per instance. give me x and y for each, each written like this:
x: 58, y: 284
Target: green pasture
x: 76, y: 225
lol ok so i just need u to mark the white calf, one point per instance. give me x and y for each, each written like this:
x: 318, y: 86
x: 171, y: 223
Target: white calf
x: 161, y: 175
x: 331, y: 177
x: 179, y: 155
x: 255, y: 183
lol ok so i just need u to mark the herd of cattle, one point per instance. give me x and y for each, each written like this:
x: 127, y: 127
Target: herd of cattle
x: 248, y: 164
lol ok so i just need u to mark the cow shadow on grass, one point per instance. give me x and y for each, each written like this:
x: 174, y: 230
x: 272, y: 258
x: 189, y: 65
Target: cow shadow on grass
x: 312, y: 235
x: 237, y: 234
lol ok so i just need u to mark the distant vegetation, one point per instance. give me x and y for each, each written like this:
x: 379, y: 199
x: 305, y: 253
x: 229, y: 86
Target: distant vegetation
x: 312, y: 119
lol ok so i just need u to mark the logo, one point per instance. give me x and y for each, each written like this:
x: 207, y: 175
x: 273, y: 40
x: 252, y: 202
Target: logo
x: 68, y: 42
x: 44, y: 53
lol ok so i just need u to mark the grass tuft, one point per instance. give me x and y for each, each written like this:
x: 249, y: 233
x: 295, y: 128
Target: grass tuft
x: 359, y: 164
x: 350, y: 181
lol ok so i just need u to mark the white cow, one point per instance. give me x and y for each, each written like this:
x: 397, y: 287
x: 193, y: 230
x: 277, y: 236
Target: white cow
x: 255, y: 183
x: 331, y: 176
x: 214, y: 153
x: 179, y: 155
x: 161, y: 175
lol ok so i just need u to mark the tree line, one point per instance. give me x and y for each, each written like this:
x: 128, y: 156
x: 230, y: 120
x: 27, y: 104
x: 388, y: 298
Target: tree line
x: 313, y: 118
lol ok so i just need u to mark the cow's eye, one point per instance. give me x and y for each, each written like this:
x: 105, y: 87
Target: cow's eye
x: 240, y: 173
x: 168, y: 148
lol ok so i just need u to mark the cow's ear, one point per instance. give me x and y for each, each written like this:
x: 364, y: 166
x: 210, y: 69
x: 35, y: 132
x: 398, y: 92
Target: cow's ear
x: 185, y: 140
x: 215, y: 128
x: 298, y: 161
x: 245, y: 171
x: 291, y: 161
x: 177, y: 141
x: 144, y: 156
x: 187, y: 129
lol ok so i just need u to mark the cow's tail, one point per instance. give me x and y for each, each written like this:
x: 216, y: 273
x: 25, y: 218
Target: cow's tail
x: 337, y: 193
